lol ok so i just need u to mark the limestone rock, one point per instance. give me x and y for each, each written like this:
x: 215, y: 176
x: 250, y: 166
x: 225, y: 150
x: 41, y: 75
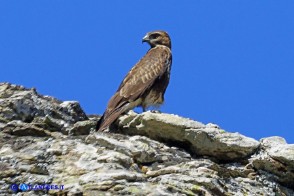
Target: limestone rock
x: 82, y: 127
x: 277, y: 158
x: 198, y: 138
x: 45, y: 142
x: 19, y: 103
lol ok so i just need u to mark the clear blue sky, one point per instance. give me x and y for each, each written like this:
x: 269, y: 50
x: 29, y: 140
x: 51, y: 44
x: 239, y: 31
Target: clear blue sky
x: 233, y: 61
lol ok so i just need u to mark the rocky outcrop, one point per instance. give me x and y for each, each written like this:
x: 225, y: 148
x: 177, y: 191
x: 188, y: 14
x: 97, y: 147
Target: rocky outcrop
x: 44, y: 141
x: 197, y: 138
x: 23, y: 111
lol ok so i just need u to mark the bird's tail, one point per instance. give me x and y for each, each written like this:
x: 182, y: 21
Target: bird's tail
x: 107, y: 119
x: 99, y: 123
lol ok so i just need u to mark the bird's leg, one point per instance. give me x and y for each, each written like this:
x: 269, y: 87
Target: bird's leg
x: 144, y: 108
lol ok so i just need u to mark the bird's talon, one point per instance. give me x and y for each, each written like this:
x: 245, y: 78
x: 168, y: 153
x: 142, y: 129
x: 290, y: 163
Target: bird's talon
x: 155, y: 111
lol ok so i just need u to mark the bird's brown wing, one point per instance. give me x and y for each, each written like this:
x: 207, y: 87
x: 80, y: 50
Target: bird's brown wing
x: 141, y: 77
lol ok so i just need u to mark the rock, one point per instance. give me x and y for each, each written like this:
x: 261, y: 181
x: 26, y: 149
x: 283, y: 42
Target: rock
x: 17, y: 127
x: 280, y: 151
x: 19, y: 103
x: 199, y: 139
x: 48, y: 143
x: 82, y: 127
x: 276, y: 158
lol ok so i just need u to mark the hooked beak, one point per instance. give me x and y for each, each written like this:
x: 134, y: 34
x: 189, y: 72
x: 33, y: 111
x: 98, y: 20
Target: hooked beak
x: 145, y: 39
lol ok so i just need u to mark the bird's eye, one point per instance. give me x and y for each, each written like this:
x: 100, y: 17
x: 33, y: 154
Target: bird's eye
x: 154, y: 36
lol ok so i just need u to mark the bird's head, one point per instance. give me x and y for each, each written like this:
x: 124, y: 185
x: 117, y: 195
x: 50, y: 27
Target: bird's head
x: 155, y: 38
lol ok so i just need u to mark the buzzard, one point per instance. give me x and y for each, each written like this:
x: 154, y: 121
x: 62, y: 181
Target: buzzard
x: 146, y: 82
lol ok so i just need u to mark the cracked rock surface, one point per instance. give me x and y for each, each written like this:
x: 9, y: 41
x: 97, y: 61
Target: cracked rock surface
x: 47, y: 141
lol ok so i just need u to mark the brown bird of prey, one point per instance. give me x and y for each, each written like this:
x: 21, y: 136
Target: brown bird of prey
x: 146, y: 82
